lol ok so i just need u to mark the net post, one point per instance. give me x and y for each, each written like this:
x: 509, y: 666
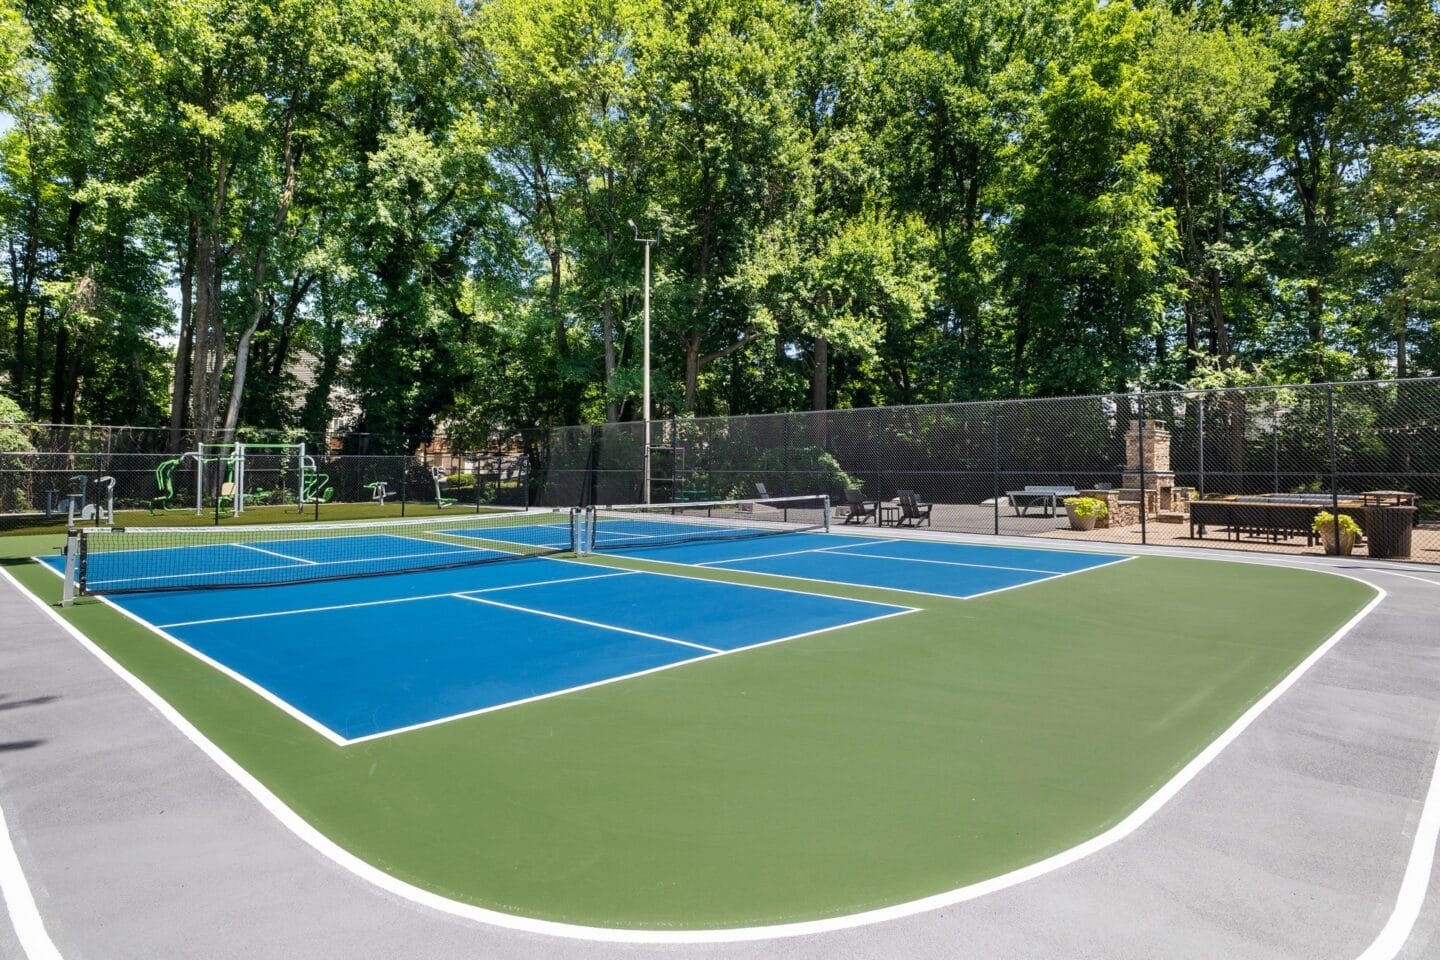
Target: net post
x: 577, y: 531
x: 300, y: 482
x: 237, y: 472
x: 825, y: 502
x: 72, y: 566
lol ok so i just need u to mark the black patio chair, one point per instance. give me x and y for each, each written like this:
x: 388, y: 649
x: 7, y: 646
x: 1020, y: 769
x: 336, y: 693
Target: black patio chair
x: 860, y: 509
x: 912, y: 511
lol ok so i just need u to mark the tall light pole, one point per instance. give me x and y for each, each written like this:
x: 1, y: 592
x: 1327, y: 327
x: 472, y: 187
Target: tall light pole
x: 645, y: 388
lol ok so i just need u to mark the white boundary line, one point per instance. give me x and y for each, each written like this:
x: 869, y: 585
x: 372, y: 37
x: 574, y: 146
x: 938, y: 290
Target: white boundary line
x: 340, y: 740
x: 1112, y: 560
x: 853, y: 549
x: 1416, y: 880
x: 639, y: 673
x: 1389, y: 942
x: 19, y: 901
x: 235, y: 675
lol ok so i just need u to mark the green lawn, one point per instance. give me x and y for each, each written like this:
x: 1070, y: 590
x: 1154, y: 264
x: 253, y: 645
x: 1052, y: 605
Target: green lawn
x: 822, y: 776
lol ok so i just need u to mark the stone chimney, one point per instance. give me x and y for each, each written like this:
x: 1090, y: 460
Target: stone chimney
x: 1158, y: 492
x: 1157, y: 448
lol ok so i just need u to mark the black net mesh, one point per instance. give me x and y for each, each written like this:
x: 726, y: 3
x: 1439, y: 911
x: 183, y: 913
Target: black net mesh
x: 120, y: 560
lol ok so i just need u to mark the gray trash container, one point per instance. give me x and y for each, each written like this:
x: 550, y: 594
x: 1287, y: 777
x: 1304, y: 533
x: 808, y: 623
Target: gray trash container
x: 1387, y: 530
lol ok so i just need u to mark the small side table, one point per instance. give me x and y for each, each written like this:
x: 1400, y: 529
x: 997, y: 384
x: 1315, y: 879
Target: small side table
x: 1388, y: 498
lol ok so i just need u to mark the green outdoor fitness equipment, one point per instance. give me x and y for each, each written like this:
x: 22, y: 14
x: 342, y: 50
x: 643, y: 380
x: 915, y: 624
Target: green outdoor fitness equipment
x: 441, y: 501
x: 164, y: 485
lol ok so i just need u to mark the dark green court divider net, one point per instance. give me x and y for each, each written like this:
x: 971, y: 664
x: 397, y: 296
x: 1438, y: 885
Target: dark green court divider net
x: 645, y: 526
x: 1371, y: 448
x: 137, y: 560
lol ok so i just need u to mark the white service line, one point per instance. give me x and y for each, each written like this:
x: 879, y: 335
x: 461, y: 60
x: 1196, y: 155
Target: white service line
x: 588, y: 623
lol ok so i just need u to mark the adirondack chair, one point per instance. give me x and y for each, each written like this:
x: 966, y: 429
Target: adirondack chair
x: 912, y: 511
x: 860, y: 509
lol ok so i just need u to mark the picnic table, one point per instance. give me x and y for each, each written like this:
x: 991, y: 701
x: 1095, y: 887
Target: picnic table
x: 1048, y: 497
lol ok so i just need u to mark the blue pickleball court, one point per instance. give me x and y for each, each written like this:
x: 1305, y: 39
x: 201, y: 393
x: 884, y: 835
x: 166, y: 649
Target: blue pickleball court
x: 931, y: 567
x: 357, y: 659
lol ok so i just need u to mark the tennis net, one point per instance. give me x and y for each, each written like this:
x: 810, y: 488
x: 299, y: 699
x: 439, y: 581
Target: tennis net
x: 642, y: 526
x: 145, y: 559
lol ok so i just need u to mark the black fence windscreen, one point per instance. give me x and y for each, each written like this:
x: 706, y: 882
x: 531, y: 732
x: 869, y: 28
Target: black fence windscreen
x: 1247, y: 467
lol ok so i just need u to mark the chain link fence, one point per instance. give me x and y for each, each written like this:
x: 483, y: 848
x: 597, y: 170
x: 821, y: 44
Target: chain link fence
x: 1247, y: 467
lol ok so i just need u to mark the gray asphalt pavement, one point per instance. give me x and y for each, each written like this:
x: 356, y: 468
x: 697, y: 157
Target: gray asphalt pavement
x: 1291, y: 844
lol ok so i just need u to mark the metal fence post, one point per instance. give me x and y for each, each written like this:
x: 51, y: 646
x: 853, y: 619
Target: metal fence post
x: 1334, y: 471
x: 1140, y: 445
x: 1201, y: 451
x: 995, y: 461
x: 785, y: 454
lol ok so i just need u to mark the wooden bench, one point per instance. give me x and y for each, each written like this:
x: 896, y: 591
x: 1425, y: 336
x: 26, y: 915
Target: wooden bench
x: 1265, y: 518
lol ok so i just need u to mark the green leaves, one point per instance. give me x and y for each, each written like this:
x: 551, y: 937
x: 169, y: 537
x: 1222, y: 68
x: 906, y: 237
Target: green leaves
x: 417, y: 215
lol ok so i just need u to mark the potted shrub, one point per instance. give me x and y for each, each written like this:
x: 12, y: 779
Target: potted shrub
x: 1084, y: 511
x: 1325, y: 525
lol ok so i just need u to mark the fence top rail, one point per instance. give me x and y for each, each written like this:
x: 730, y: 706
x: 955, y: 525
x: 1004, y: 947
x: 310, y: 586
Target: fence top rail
x: 1188, y: 393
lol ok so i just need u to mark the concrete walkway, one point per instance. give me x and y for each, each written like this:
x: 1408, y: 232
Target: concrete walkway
x: 1292, y: 844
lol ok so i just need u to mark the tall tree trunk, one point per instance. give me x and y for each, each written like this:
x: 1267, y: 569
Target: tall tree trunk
x: 300, y: 288
x: 42, y: 333
x: 27, y: 278
x: 209, y: 340
x: 289, y: 162
x: 607, y: 336
x: 57, y: 373
x: 1402, y: 317
x: 316, y: 417
x: 22, y: 305
x: 209, y: 327
x: 1217, y: 317
x: 180, y: 391
x: 692, y: 371
x: 820, y: 385
x: 820, y: 391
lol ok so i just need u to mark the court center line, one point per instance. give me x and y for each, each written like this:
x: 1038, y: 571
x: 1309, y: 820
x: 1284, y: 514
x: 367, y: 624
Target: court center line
x: 588, y: 623
x: 767, y: 556
x: 273, y: 553
x: 379, y: 603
